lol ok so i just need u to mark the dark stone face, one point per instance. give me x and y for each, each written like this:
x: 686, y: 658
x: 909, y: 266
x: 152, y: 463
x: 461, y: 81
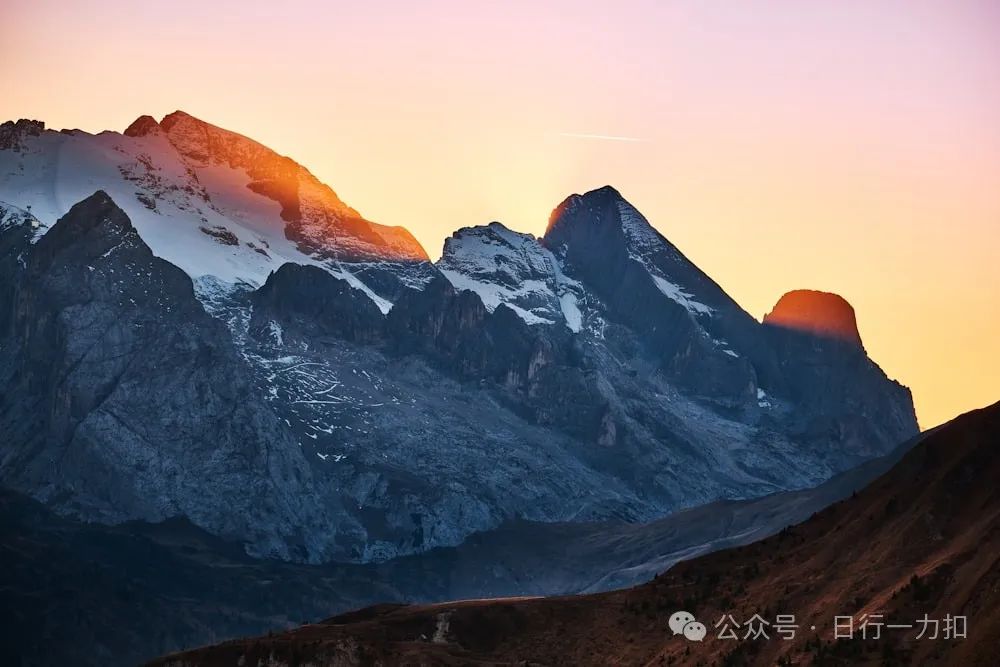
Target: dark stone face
x: 592, y: 233
x: 13, y: 133
x: 308, y: 302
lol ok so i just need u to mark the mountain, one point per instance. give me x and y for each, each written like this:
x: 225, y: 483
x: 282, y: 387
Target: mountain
x: 110, y: 351
x: 215, y: 335
x: 513, y: 269
x: 85, y: 593
x: 917, y: 545
x: 209, y: 201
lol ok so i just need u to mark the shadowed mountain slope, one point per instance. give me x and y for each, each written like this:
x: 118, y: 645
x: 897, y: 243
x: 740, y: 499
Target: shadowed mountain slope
x: 115, y: 595
x: 923, y: 539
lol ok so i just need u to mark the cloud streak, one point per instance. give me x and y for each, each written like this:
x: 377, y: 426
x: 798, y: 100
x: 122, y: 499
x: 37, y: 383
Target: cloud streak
x: 597, y: 137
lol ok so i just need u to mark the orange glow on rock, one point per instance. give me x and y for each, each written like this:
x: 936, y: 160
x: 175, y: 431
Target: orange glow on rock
x: 819, y: 313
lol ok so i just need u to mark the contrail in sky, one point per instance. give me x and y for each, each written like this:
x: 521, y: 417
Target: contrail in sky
x: 602, y: 137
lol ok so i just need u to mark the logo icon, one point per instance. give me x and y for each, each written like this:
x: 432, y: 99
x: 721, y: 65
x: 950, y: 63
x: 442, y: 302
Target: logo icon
x: 695, y: 631
x: 684, y: 623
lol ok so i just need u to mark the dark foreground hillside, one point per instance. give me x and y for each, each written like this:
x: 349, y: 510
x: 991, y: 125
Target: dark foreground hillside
x: 88, y: 594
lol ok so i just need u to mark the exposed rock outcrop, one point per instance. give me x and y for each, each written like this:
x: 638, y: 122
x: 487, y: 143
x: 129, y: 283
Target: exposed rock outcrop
x: 394, y: 406
x: 142, y: 126
x: 12, y: 134
x: 820, y: 313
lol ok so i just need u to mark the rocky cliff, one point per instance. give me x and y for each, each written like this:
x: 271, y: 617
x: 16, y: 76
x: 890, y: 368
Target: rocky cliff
x: 227, y: 341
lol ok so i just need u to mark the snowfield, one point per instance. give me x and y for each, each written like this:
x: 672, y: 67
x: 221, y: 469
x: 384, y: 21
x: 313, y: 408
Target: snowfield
x: 507, y: 267
x: 198, y: 215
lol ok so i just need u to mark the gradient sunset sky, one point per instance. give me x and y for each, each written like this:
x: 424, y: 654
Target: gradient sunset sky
x: 846, y: 146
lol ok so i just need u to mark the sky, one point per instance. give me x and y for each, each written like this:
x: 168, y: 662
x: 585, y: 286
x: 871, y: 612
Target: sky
x: 848, y: 146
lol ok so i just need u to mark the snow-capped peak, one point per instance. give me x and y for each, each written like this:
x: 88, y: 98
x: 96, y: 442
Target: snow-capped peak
x: 512, y: 268
x: 600, y: 227
x: 317, y: 219
x: 208, y: 200
x: 494, y: 250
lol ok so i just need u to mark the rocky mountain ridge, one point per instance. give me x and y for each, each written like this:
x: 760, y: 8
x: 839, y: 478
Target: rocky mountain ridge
x: 395, y: 405
x: 821, y: 313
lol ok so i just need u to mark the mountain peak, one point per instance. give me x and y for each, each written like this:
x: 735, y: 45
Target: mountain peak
x: 819, y: 313
x: 12, y: 133
x: 511, y: 268
x: 605, y: 191
x: 204, y: 143
x: 497, y: 251
x: 142, y: 126
x: 600, y: 198
x: 605, y: 219
x: 177, y: 116
x: 91, y: 212
x: 93, y: 227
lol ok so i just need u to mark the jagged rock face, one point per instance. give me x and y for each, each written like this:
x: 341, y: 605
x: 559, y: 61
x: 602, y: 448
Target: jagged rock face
x: 622, y: 272
x: 417, y: 427
x: 305, y: 302
x: 845, y: 403
x: 503, y: 266
x: 594, y: 380
x: 18, y: 229
x: 819, y: 313
x: 457, y: 329
x: 535, y: 371
x: 124, y: 400
x: 13, y: 134
x: 393, y: 406
x: 704, y: 340
x: 845, y: 399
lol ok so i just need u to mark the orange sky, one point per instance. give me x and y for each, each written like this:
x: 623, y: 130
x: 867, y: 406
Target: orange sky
x: 846, y: 146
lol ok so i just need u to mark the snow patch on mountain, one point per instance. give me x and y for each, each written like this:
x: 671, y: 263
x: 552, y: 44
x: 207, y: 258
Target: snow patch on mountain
x: 341, y: 272
x: 676, y: 293
x: 319, y: 221
x: 13, y: 216
x: 507, y: 267
x: 571, y: 311
x: 762, y: 399
x: 202, y: 215
x: 644, y: 244
x: 493, y: 294
x: 640, y: 236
